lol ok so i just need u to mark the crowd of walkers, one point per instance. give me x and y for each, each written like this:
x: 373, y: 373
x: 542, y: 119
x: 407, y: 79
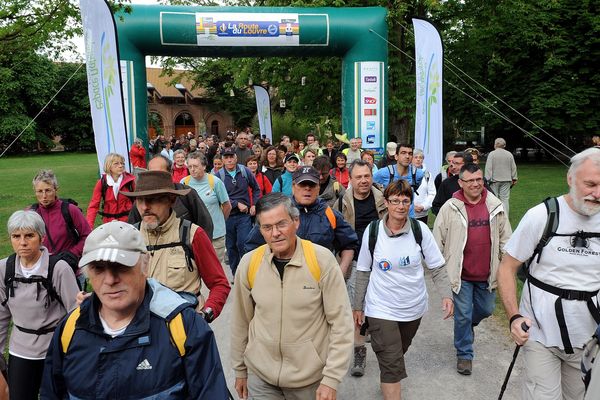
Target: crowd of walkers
x: 327, y: 250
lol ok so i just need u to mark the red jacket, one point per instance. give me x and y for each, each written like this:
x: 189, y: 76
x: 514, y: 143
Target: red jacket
x: 263, y: 183
x: 119, y: 206
x: 341, y: 176
x: 179, y: 173
x: 137, y: 156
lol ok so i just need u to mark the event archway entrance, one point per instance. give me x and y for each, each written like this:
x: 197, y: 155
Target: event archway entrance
x: 350, y: 33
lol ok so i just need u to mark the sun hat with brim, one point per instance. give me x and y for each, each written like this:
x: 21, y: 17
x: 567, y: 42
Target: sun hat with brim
x: 116, y: 242
x: 149, y: 183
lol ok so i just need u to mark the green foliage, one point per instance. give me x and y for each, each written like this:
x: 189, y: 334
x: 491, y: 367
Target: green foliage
x: 539, y: 56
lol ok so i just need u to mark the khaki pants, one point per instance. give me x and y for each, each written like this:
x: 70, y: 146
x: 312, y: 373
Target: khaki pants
x: 219, y: 245
x: 551, y: 374
x: 261, y: 390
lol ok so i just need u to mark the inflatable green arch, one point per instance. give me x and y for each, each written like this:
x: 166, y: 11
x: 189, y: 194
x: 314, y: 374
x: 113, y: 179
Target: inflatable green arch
x: 350, y: 33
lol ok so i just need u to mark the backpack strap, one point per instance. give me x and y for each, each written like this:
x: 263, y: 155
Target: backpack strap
x: 211, y: 181
x: 222, y: 174
x: 69, y: 329
x: 9, y: 277
x: 336, y: 188
x: 331, y: 217
x: 311, y: 259
x: 341, y: 204
x: 255, y: 261
x: 414, y: 185
x: 417, y: 233
x: 243, y: 171
x: 309, y: 254
x: 178, y: 334
x: 373, y: 232
x: 390, y: 169
x: 185, y: 227
x: 280, y: 180
x: 64, y: 209
x: 550, y: 229
x: 9, y: 280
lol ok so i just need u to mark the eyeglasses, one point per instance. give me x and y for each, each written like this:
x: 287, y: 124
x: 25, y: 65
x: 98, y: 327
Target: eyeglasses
x: 397, y: 202
x: 472, y: 181
x: 281, y: 225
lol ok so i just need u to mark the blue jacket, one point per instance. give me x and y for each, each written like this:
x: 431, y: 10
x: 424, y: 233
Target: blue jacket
x: 283, y: 183
x: 142, y: 363
x: 315, y: 226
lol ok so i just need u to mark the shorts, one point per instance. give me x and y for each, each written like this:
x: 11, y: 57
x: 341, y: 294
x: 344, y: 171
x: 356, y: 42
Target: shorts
x: 390, y: 340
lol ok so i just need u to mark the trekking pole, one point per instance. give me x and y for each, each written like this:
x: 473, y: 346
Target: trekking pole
x: 512, y: 363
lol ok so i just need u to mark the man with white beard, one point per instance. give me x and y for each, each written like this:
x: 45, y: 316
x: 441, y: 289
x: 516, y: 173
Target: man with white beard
x: 559, y: 303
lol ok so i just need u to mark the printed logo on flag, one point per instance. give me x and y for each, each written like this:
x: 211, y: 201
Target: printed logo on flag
x: 370, y: 111
x: 370, y: 79
x: 370, y: 100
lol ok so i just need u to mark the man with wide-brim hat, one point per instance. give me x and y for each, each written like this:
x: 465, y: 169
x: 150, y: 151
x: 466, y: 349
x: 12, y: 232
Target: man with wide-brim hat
x: 181, y: 254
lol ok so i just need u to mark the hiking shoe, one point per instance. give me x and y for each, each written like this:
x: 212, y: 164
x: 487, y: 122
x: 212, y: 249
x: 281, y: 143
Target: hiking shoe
x: 360, y: 361
x: 464, y: 367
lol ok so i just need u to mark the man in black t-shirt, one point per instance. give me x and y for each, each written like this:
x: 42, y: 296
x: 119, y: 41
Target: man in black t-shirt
x: 361, y: 204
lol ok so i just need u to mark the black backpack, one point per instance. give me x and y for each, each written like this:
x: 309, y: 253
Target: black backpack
x: 374, y: 231
x: 129, y: 186
x: 40, y: 281
x: 185, y: 228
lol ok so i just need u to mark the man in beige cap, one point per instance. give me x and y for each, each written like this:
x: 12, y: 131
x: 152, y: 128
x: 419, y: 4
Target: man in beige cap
x: 133, y: 336
x: 181, y: 254
x: 390, y: 155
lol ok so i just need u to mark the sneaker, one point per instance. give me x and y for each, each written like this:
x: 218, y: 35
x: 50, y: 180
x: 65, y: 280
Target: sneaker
x: 464, y: 367
x: 360, y: 361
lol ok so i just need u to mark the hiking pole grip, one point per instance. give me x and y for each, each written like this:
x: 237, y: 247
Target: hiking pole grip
x: 524, y: 326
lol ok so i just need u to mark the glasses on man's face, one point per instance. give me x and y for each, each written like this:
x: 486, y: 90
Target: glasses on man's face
x: 397, y: 202
x: 472, y: 181
x: 281, y: 225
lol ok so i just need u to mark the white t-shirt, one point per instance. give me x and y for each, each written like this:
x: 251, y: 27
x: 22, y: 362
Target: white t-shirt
x: 29, y: 272
x: 561, y: 265
x: 397, y: 290
x: 112, y: 332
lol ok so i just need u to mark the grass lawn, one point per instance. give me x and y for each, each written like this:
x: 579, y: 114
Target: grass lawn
x: 77, y: 174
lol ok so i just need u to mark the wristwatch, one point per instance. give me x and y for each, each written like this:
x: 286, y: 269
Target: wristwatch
x: 207, y: 314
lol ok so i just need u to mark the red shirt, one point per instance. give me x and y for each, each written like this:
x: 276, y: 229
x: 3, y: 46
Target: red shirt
x: 179, y: 173
x: 137, y: 156
x: 211, y: 271
x: 478, y: 249
x: 263, y: 183
x: 120, y: 205
x: 341, y: 176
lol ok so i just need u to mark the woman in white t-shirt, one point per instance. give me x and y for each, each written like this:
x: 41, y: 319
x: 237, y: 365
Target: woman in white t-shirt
x: 390, y: 285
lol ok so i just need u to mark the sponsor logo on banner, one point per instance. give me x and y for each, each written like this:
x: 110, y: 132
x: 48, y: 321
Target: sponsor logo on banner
x: 371, y: 139
x: 370, y: 100
x: 370, y: 111
x: 370, y: 125
x: 370, y: 79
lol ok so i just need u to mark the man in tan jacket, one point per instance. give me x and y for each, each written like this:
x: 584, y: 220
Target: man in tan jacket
x: 291, y: 329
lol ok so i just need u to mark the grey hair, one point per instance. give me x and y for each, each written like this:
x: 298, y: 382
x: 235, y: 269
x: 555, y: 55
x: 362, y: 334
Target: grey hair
x: 418, y: 152
x: 46, y: 176
x: 179, y: 151
x: 273, y: 200
x: 450, y: 154
x: 593, y: 154
x: 26, y: 220
x: 137, y: 140
x: 499, y: 142
x: 198, y: 155
x: 358, y: 163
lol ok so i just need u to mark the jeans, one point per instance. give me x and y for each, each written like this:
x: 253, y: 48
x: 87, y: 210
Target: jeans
x: 472, y: 305
x: 238, y: 227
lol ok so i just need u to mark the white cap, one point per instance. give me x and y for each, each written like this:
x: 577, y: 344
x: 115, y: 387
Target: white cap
x: 116, y: 242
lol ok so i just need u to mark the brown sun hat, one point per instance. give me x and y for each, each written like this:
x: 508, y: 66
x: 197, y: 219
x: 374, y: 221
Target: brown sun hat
x: 149, y: 183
